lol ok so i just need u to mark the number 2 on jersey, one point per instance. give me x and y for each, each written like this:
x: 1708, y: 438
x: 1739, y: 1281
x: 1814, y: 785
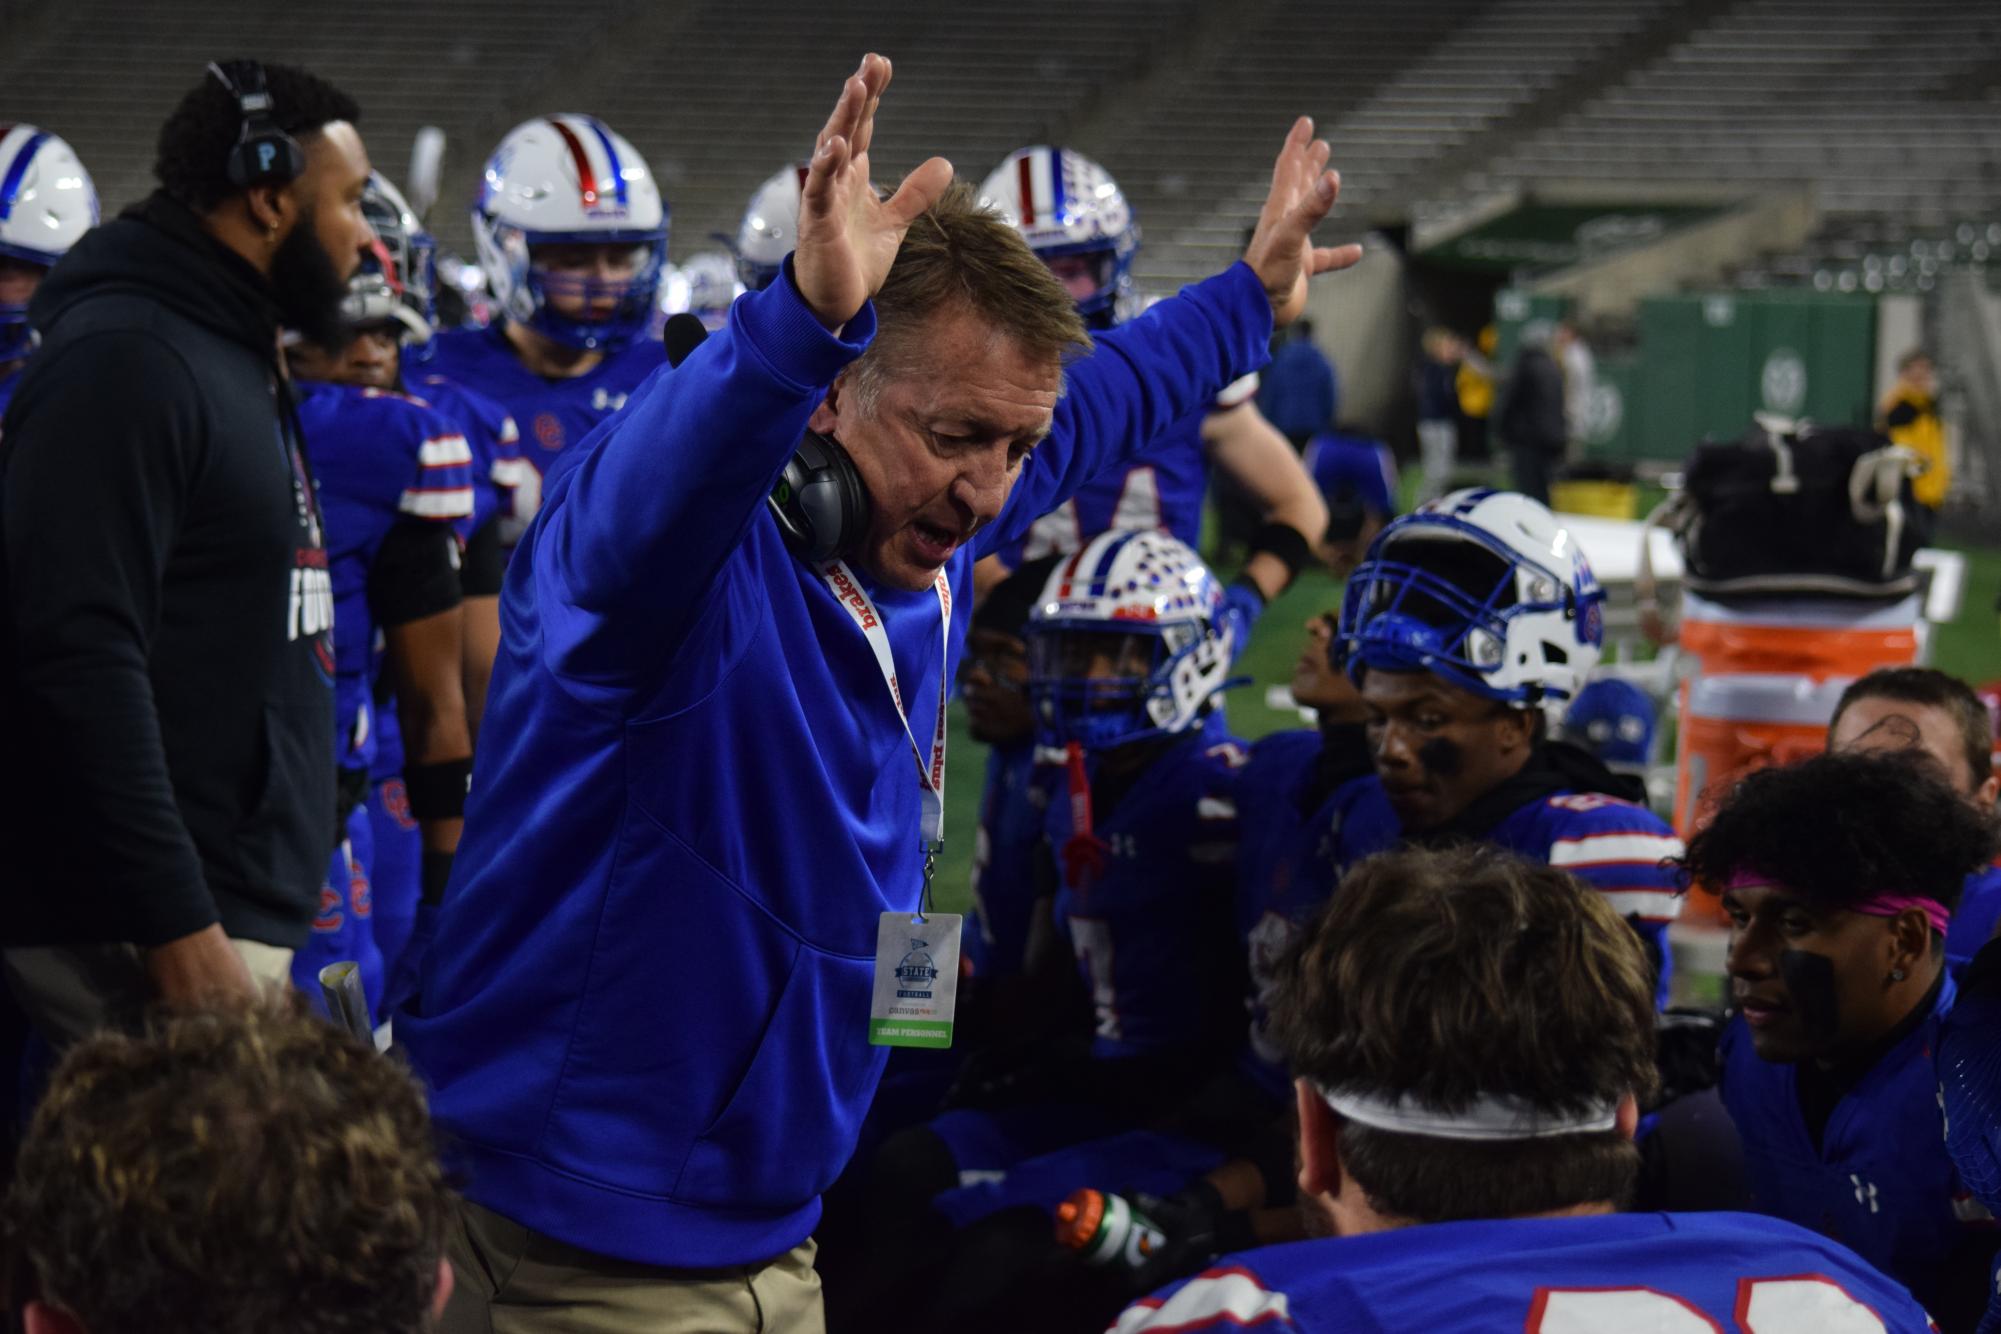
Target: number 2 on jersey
x: 1797, y: 1304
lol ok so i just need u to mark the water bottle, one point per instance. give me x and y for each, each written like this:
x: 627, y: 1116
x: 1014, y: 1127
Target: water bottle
x: 1105, y: 1229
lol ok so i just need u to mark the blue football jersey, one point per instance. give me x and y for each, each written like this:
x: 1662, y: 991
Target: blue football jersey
x: 344, y: 928
x: 492, y: 436
x: 1013, y: 808
x: 1973, y: 921
x: 1151, y: 927
x: 1163, y: 487
x: 1969, y: 1074
x: 1881, y: 1181
x: 1285, y: 871
x: 1354, y: 467
x: 1603, y: 1274
x: 8, y: 384
x: 377, y: 457
x: 550, y: 414
x: 1619, y: 849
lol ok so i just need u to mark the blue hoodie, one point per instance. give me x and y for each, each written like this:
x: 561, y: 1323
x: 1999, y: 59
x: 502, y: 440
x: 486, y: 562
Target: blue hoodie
x: 645, y: 1016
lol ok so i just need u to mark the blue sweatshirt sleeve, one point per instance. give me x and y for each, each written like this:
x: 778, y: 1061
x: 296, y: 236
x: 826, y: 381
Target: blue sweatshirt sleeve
x: 1142, y: 378
x: 630, y: 540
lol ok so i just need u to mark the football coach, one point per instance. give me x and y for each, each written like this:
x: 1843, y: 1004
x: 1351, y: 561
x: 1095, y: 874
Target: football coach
x: 711, y: 772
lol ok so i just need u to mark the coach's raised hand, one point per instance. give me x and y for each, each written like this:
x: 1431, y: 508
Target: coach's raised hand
x: 1303, y: 192
x: 847, y: 236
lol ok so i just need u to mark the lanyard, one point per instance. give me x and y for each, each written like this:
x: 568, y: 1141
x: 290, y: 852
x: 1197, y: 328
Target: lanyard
x: 850, y: 594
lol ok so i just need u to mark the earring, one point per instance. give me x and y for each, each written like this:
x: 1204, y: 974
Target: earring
x: 1896, y: 974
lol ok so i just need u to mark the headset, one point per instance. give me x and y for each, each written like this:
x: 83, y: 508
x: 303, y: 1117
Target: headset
x: 263, y: 154
x: 819, y: 501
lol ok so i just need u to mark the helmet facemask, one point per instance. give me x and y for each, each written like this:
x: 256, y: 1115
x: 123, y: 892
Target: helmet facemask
x: 1105, y: 687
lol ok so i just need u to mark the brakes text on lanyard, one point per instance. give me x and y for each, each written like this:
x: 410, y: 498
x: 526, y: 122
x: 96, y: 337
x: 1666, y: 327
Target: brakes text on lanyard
x: 931, y: 774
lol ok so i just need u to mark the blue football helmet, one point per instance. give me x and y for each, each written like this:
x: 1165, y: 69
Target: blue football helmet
x: 1483, y: 588
x: 1614, y: 720
x: 1129, y: 640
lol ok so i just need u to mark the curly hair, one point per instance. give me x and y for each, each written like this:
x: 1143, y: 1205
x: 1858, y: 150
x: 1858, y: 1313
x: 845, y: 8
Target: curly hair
x: 1445, y: 976
x: 192, y: 163
x: 1840, y: 828
x: 232, y: 1171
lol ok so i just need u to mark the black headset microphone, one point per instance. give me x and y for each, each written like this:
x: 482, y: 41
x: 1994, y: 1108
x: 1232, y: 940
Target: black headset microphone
x: 263, y: 153
x: 819, y: 501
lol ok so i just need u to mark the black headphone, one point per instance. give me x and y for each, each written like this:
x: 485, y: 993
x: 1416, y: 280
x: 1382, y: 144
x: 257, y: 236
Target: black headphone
x: 263, y: 154
x: 820, y: 503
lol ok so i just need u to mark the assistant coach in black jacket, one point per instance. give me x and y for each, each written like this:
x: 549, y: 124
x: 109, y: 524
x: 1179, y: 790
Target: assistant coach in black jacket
x: 166, y: 646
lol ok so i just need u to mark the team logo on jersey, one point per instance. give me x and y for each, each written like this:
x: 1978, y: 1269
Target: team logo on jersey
x: 915, y: 973
x: 548, y: 431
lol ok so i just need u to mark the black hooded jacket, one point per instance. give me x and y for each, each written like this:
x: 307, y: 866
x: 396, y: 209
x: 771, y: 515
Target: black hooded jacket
x: 166, y: 656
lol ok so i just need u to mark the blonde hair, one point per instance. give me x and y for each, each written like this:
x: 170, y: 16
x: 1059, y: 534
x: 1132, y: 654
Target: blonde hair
x: 958, y: 253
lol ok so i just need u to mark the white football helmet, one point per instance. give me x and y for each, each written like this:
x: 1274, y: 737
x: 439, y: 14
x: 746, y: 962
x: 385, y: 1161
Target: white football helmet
x: 1129, y: 640
x: 47, y: 203
x: 770, y: 228
x: 563, y: 180
x: 398, y: 279
x: 1486, y: 589
x: 712, y: 285
x: 1068, y: 206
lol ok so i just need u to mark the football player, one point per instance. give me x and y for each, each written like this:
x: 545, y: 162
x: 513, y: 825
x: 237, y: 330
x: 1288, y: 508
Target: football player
x: 1838, y: 874
x: 1008, y: 889
x: 769, y: 228
x: 46, y: 203
x: 391, y: 309
x: 1128, y: 647
x: 572, y: 235
x: 1079, y: 222
x: 395, y: 479
x: 1289, y: 802
x: 1470, y: 1035
x: 1925, y: 711
x: 1614, y: 720
x: 1357, y: 477
x: 1470, y: 625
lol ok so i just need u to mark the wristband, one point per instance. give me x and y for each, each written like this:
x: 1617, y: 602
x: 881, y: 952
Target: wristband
x: 1285, y: 542
x: 438, y: 791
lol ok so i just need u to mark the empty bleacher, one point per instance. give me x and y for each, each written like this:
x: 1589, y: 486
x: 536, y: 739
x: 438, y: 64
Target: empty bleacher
x: 1889, y: 109
x: 1869, y: 102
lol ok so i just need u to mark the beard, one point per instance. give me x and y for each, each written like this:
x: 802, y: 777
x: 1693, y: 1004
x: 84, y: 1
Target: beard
x: 309, y: 288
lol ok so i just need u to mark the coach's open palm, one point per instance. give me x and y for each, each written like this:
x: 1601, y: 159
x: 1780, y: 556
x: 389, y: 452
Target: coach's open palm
x: 1303, y: 192
x: 848, y: 237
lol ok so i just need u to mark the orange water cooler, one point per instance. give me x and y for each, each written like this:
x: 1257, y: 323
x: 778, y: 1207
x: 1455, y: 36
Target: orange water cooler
x: 1768, y: 675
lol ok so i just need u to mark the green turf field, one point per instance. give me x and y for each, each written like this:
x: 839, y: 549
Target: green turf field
x: 1969, y: 647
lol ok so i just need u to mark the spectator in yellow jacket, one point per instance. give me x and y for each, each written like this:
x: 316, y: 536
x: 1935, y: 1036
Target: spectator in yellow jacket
x: 1909, y: 416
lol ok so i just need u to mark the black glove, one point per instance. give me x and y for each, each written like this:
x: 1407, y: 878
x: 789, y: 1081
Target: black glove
x: 1195, y: 1228
x: 1685, y: 1052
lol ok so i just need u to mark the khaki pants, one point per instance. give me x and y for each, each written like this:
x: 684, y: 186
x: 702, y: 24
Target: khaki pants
x: 70, y: 990
x: 510, y: 1280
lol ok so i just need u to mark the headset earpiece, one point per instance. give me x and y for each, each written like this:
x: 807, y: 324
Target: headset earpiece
x: 820, y: 503
x: 263, y: 154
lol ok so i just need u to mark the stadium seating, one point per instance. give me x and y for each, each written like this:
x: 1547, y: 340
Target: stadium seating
x: 1885, y: 107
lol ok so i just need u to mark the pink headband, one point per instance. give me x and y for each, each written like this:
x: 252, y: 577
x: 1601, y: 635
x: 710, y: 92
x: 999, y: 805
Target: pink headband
x: 1889, y: 905
x: 1883, y: 905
